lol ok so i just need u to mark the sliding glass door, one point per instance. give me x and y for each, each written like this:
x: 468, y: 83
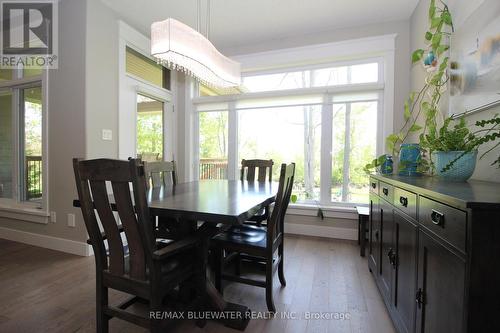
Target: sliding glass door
x: 150, y: 128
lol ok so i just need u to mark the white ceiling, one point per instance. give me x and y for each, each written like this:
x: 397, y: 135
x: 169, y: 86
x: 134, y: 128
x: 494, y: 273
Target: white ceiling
x: 243, y: 22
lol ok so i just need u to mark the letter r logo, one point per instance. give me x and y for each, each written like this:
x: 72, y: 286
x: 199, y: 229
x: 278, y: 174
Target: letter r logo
x: 27, y: 27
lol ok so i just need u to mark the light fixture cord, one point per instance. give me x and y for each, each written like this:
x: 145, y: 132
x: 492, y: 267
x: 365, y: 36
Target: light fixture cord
x: 198, y: 16
x: 208, y: 19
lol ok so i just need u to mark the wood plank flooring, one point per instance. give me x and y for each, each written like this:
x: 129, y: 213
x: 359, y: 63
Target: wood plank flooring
x: 49, y: 291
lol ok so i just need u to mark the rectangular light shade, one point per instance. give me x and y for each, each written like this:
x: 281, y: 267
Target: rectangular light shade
x: 180, y: 47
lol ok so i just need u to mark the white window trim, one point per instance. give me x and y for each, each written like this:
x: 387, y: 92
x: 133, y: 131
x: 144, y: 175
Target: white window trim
x: 13, y: 207
x: 382, y: 51
x: 129, y: 37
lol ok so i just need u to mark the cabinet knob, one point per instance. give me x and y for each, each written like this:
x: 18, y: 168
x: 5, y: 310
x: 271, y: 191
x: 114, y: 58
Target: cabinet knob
x: 403, y: 201
x: 385, y: 191
x: 374, y: 185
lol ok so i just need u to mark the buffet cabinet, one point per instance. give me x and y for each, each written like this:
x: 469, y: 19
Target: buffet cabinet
x: 434, y: 251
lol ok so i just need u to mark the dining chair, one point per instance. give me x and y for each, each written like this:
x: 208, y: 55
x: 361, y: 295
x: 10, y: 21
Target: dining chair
x: 258, y: 244
x: 160, y: 173
x: 264, y: 171
x: 164, y: 173
x: 149, y: 270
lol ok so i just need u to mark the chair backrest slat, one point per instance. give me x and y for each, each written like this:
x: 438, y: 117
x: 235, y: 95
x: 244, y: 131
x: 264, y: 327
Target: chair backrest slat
x: 124, y: 206
x: 91, y: 179
x: 250, y: 167
x: 110, y: 226
x: 160, y: 173
x: 275, y: 225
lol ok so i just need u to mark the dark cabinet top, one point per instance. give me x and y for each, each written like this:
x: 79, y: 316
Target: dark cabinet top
x: 473, y: 194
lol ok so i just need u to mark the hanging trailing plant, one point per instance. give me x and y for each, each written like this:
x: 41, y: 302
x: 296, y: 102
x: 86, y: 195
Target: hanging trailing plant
x: 425, y: 104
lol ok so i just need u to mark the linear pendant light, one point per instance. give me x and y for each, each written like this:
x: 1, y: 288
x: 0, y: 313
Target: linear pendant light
x: 180, y: 47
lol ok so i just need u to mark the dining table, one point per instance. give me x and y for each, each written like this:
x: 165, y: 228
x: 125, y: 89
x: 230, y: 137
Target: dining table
x: 210, y: 205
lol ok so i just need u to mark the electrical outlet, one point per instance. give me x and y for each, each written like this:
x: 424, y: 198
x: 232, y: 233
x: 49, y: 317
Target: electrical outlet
x: 71, y: 220
x: 53, y: 217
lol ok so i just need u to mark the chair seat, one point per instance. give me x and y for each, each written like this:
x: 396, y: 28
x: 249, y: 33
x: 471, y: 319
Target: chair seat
x: 245, y: 235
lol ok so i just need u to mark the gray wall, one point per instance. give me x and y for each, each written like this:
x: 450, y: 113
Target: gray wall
x: 101, y: 84
x: 419, y: 25
x: 66, y: 116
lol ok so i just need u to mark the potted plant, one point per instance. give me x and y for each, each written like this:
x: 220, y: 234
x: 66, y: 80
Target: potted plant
x: 451, y: 152
x: 454, y: 147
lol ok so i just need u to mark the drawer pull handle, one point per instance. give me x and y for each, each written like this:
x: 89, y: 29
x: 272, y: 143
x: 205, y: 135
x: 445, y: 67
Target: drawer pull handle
x: 386, y: 191
x: 403, y: 201
x: 419, y: 297
x: 392, y: 257
x: 374, y: 185
x: 437, y: 218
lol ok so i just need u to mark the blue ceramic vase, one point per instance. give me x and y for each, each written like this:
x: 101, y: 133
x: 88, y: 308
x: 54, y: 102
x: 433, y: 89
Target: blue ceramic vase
x: 409, y: 156
x: 460, y: 171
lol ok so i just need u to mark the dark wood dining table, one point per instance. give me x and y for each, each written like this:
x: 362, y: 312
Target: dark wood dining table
x: 213, y: 202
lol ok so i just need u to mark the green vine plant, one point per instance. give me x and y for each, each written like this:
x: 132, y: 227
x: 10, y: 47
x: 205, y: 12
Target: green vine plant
x: 426, y: 102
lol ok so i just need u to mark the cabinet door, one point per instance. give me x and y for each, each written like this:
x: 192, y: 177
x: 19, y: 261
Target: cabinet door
x: 440, y: 288
x: 388, y: 249
x: 405, y: 270
x: 374, y: 235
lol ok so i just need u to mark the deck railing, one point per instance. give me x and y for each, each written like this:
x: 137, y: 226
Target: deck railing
x: 213, y: 168
x: 33, y: 173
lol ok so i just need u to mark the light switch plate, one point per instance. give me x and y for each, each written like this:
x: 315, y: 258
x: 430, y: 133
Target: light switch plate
x: 71, y: 220
x: 107, y: 134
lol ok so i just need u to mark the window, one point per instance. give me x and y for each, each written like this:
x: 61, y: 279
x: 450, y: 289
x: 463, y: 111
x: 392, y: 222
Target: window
x: 146, y: 69
x: 296, y: 139
x: 300, y: 116
x: 213, y: 145
x: 21, y: 137
x: 149, y: 128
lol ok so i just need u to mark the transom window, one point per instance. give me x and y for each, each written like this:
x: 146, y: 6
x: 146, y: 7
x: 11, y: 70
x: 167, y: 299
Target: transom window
x: 325, y: 119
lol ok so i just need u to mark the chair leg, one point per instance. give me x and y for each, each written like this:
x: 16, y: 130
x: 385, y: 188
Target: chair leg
x: 269, y: 285
x: 281, y: 270
x: 102, y: 320
x: 218, y: 267
x: 237, y: 265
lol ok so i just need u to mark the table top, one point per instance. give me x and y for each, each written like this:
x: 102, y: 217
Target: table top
x: 218, y: 201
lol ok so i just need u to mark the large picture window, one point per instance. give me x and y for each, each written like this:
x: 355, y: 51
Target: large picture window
x: 325, y: 119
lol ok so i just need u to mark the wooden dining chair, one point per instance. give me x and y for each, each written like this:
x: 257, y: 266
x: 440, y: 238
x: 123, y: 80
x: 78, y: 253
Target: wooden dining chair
x: 258, y: 244
x: 263, y: 169
x: 148, y: 271
x: 160, y: 173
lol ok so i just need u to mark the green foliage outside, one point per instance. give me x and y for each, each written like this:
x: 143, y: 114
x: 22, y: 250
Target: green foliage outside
x: 150, y: 133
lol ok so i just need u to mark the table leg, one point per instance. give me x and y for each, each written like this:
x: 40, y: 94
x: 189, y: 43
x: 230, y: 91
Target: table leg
x: 235, y: 316
x: 362, y: 235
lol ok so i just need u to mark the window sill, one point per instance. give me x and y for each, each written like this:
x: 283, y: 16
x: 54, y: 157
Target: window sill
x: 340, y: 212
x: 24, y: 213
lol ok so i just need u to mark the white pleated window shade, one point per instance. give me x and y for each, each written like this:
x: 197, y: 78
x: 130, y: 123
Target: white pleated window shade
x: 355, y: 97
x: 276, y: 102
x: 212, y: 107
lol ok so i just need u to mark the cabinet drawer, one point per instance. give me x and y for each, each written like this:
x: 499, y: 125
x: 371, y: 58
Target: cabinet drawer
x: 405, y: 201
x: 374, y: 186
x: 386, y: 191
x: 446, y: 222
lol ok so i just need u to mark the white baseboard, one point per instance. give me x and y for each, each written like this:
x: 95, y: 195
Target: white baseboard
x: 321, y: 231
x: 49, y: 242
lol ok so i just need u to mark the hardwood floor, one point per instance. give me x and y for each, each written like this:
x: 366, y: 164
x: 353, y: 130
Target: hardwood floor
x: 49, y: 291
